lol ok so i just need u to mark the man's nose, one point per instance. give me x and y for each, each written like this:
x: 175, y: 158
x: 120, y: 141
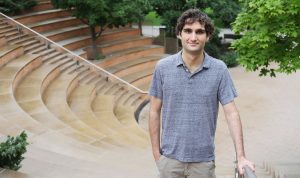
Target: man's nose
x: 193, y: 36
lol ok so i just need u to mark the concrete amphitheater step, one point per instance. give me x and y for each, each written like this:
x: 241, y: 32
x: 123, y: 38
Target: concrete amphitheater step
x: 130, y: 54
x: 76, y: 42
x: 80, y: 52
x: 67, y: 32
x: 41, y: 6
x: 113, y: 45
x: 52, y: 24
x: 34, y: 17
x: 133, y: 65
x: 55, y: 98
x: 124, y: 43
x: 9, y: 53
x: 103, y: 108
x: 80, y: 103
x: 144, y: 86
x: 58, y: 165
x: 28, y: 96
x: 22, y: 39
x: 286, y: 169
x: 132, y: 77
x: 7, y: 29
x: 17, y: 120
x: 117, y: 33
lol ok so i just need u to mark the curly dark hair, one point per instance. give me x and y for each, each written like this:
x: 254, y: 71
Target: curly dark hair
x: 194, y: 15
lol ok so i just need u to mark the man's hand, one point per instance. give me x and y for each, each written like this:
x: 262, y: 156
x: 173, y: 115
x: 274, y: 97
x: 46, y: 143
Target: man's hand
x: 157, y: 156
x: 242, y: 162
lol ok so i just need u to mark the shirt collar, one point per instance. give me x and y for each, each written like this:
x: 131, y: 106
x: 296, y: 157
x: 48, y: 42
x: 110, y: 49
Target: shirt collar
x: 206, y: 63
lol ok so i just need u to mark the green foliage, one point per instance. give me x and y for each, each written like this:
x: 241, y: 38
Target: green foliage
x: 105, y: 13
x: 214, y: 45
x: 271, y: 34
x: 11, y: 151
x: 223, y: 12
x: 169, y: 11
x: 13, y: 7
x: 152, y: 19
x: 230, y: 58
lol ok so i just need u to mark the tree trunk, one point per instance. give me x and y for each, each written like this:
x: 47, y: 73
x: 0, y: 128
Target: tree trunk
x: 140, y: 27
x: 94, y: 42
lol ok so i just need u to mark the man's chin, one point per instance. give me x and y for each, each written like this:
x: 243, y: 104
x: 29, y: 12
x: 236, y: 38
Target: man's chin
x: 194, y: 51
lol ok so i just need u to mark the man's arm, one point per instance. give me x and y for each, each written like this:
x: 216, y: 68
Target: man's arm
x: 154, y: 126
x: 235, y: 128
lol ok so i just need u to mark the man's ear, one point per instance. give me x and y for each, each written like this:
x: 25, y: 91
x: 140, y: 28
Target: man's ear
x: 207, y: 38
x: 179, y: 36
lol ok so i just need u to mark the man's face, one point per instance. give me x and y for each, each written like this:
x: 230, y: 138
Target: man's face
x: 193, y: 37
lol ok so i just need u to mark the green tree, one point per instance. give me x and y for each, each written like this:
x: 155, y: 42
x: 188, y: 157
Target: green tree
x: 102, y: 14
x: 223, y: 12
x: 135, y: 11
x: 11, y: 151
x: 271, y: 34
x: 13, y: 7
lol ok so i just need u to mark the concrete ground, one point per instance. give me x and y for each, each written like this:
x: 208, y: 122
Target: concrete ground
x: 269, y: 109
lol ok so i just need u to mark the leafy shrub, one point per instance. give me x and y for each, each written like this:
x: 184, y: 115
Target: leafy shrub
x: 13, y: 7
x: 11, y: 151
x: 213, y: 47
x: 230, y: 58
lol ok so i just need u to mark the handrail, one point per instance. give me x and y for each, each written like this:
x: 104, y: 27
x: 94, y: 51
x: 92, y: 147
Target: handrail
x: 75, y: 55
x: 249, y: 173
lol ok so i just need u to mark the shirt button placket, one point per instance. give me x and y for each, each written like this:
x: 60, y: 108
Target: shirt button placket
x: 190, y: 79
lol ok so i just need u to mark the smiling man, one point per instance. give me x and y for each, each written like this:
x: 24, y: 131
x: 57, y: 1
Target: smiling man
x: 187, y: 88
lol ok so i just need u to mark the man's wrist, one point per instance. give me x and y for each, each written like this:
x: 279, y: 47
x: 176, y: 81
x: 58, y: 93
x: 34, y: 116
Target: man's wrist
x: 156, y: 155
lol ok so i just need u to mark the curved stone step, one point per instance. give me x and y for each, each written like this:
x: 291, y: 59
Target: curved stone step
x: 9, y: 53
x: 39, y: 16
x: 28, y: 96
x: 67, y: 32
x: 80, y: 103
x: 130, y: 54
x: 115, y: 69
x: 135, y: 76
x: 143, y: 83
x: 53, y: 24
x: 117, y: 33
x: 55, y: 98
x: 42, y: 5
x: 124, y: 43
x: 103, y: 108
x: 76, y: 42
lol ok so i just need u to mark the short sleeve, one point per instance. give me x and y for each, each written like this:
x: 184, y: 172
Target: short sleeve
x: 156, y: 84
x: 226, y: 91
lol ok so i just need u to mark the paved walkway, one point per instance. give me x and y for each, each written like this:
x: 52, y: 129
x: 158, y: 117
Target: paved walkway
x: 270, y: 113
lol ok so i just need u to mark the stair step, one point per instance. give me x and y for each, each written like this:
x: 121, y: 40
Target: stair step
x: 50, y: 56
x: 23, y: 39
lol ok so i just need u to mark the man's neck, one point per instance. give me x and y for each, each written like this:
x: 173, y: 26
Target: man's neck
x: 193, y: 61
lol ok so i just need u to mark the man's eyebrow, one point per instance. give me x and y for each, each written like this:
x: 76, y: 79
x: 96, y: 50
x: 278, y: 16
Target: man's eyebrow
x: 187, y: 28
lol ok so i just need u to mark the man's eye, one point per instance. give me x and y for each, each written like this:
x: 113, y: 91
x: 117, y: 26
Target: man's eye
x: 200, y: 32
x: 187, y: 31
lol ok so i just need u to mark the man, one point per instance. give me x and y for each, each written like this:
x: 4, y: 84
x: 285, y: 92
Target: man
x: 188, y: 87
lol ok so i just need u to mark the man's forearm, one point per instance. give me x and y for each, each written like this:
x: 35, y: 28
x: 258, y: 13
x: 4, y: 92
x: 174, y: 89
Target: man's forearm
x: 154, y: 129
x: 235, y: 127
